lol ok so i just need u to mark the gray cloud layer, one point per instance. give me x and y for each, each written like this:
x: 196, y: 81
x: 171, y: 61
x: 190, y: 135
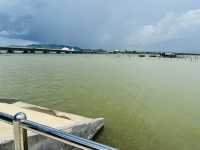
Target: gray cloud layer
x: 146, y: 24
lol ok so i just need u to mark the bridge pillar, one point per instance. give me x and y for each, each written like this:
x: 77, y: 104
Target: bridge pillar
x: 67, y: 52
x: 45, y: 51
x: 10, y: 51
x: 32, y: 51
x: 25, y: 51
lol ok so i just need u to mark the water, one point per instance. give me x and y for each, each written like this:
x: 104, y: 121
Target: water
x: 148, y: 103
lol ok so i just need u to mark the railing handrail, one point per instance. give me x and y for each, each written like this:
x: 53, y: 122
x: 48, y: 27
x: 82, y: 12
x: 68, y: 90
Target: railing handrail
x: 6, y: 117
x: 54, y: 133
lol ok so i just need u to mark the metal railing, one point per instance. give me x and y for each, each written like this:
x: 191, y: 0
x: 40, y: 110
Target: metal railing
x: 21, y: 125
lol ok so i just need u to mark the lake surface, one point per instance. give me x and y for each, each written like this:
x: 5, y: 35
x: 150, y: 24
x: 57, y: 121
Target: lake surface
x: 148, y: 103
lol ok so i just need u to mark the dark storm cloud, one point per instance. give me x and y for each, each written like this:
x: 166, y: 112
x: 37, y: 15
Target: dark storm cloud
x: 101, y: 23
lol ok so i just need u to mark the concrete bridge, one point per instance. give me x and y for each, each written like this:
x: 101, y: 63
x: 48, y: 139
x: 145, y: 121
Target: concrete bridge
x: 25, y: 50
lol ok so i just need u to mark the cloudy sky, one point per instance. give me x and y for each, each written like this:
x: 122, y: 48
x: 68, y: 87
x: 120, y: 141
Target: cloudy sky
x: 139, y: 24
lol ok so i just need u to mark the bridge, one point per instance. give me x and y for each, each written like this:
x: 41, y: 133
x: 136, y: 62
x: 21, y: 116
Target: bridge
x: 26, y: 50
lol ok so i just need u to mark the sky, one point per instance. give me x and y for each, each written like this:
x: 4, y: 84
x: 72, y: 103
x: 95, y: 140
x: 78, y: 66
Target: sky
x: 110, y: 24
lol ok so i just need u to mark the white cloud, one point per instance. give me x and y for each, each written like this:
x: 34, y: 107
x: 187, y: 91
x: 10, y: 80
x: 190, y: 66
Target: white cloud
x: 172, y: 26
x: 101, y: 23
x: 4, y: 41
x: 4, y: 33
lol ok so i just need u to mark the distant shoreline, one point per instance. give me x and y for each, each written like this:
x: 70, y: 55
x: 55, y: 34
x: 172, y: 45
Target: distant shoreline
x: 26, y: 50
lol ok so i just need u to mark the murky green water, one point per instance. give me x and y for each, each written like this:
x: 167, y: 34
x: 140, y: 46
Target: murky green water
x: 148, y: 103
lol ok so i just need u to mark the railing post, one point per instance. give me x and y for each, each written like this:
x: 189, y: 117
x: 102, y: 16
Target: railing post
x: 20, y: 134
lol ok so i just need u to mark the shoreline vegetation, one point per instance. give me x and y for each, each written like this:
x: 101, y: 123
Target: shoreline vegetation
x: 76, y: 50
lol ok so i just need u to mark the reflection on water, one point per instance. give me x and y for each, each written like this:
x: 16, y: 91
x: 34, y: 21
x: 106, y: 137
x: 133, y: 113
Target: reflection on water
x: 148, y: 103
